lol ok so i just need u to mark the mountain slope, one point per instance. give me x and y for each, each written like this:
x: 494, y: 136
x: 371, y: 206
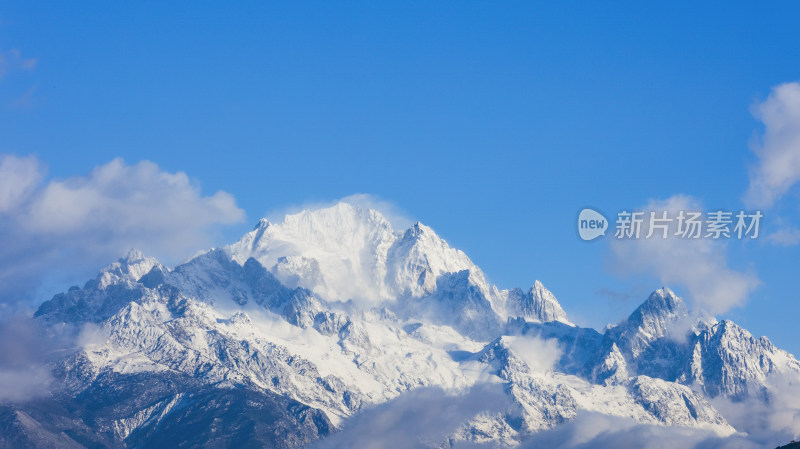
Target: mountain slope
x: 149, y: 410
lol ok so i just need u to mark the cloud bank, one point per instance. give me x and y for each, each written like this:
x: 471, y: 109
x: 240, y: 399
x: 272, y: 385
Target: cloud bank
x: 84, y: 221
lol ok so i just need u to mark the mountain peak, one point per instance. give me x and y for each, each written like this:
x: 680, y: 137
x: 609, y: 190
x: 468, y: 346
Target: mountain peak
x: 662, y: 303
x: 652, y: 320
x: 420, y: 256
x: 133, y: 255
x: 262, y: 224
x: 539, y: 304
x: 134, y: 265
x: 416, y: 230
x: 545, y: 302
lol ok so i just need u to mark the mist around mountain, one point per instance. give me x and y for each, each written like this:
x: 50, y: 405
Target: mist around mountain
x: 333, y: 329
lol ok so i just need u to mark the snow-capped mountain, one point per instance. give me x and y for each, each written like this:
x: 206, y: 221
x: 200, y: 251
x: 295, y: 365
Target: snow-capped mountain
x: 331, y: 312
x: 659, y: 339
x: 346, y: 252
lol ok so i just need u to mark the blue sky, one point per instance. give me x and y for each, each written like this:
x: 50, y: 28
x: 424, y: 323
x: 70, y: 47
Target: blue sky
x: 492, y: 123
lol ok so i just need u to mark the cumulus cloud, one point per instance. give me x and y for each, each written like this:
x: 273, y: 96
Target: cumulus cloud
x: 700, y: 265
x: 424, y: 417
x: 778, y: 149
x: 91, y: 219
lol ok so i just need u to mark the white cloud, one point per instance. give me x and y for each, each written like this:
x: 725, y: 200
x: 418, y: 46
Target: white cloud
x: 18, y: 177
x: 700, y: 265
x: 20, y: 385
x: 785, y: 237
x: 28, y: 349
x: 776, y: 419
x: 61, y: 225
x: 424, y: 417
x: 132, y: 201
x: 597, y: 431
x: 539, y: 354
x: 25, y: 348
x: 778, y: 150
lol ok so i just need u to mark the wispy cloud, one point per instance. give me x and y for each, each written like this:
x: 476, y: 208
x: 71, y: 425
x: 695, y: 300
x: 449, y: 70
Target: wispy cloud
x: 778, y: 149
x: 392, y: 212
x: 785, y: 237
x: 700, y: 264
x: 12, y: 60
x: 88, y: 220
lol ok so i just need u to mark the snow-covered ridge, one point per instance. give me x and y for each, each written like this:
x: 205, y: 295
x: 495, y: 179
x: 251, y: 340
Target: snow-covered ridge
x: 272, y: 313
